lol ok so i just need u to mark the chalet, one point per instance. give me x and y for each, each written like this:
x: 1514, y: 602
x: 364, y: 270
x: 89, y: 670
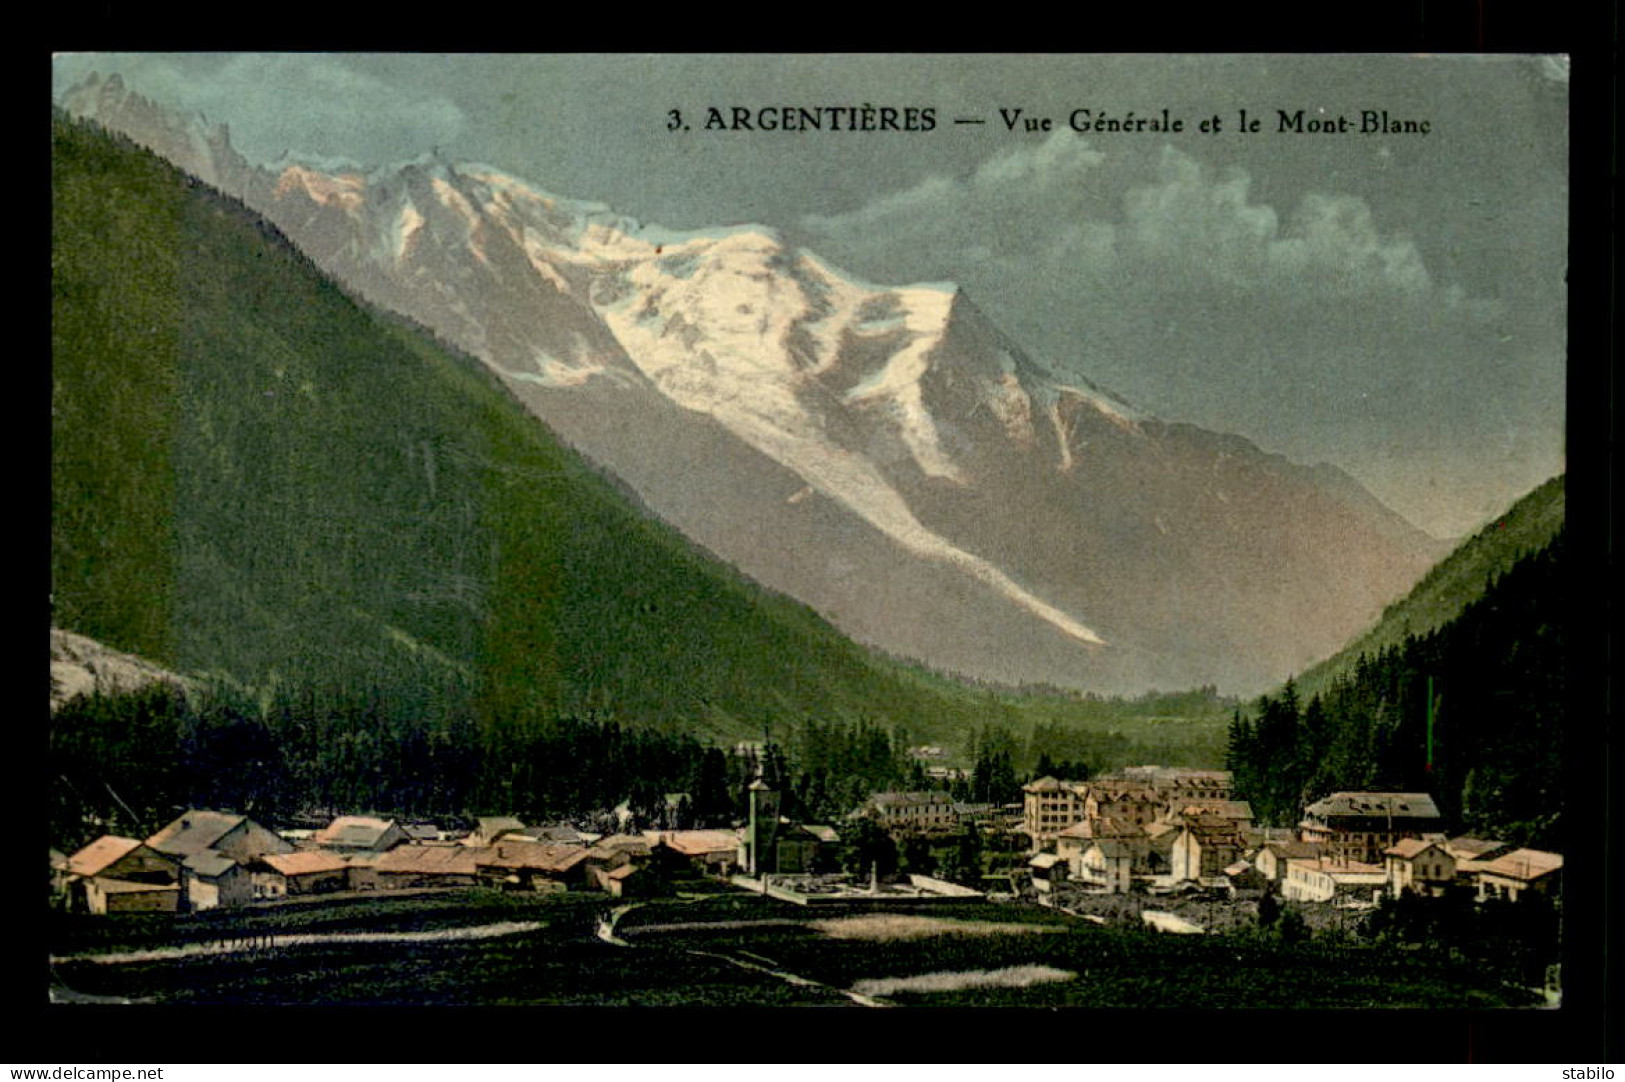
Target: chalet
x: 124, y: 858
x: 1419, y: 867
x: 1047, y: 870
x: 1109, y: 864
x: 488, y: 828
x: 1323, y: 880
x: 1203, y: 848
x: 235, y: 836
x: 1358, y: 826
x: 1271, y: 858
x: 213, y: 880
x: 309, y: 871
x: 360, y: 834
x: 123, y: 875
x: 1521, y: 871
x: 412, y: 866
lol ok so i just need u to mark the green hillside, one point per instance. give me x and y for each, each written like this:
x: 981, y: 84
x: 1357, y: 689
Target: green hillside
x: 257, y: 477
x: 1454, y: 583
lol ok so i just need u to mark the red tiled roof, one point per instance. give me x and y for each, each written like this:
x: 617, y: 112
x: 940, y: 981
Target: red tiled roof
x: 533, y: 856
x: 428, y: 860
x: 1524, y: 864
x: 305, y: 862
x: 698, y: 843
x: 106, y: 850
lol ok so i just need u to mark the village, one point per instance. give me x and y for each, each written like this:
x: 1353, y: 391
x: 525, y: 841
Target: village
x: 1167, y: 847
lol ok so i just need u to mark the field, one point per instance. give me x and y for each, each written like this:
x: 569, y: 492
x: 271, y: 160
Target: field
x: 726, y: 950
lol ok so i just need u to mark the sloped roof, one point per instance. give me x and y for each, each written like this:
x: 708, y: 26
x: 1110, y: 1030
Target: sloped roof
x: 912, y: 797
x: 304, y: 862
x: 1403, y: 805
x: 1340, y: 868
x: 1524, y: 864
x: 1468, y: 848
x: 1044, y: 860
x: 622, y: 872
x: 1124, y: 792
x: 1293, y: 850
x: 1408, y: 848
x: 825, y: 834
x: 361, y: 831
x: 194, y: 831
x: 491, y: 827
x: 428, y: 860
x: 531, y: 856
x: 701, y: 842
x: 106, y: 850
x: 209, y: 863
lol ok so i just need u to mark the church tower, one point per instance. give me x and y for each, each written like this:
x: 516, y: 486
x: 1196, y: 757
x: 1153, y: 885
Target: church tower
x: 763, y: 831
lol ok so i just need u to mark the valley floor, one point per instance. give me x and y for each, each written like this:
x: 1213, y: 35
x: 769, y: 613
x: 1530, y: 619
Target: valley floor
x: 712, y: 947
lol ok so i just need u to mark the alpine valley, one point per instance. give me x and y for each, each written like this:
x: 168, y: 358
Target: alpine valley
x: 884, y: 454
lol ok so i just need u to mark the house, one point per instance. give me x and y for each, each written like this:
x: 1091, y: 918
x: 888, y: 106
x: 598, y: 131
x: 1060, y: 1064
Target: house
x: 1238, y: 812
x: 1471, y: 854
x: 360, y: 834
x: 308, y: 871
x: 1271, y: 858
x: 1358, y: 826
x: 235, y: 836
x: 1075, y: 840
x: 1419, y: 866
x: 1325, y: 880
x: 1049, y: 806
x: 213, y: 880
x: 1047, y: 869
x: 628, y: 881
x: 1203, y: 848
x: 410, y: 866
x: 123, y: 875
x: 1521, y: 871
x: 541, y: 866
x: 710, y: 852
x: 1127, y: 801
x: 488, y: 828
x: 1107, y: 863
x: 111, y: 896
x: 124, y: 858
x: 913, y: 811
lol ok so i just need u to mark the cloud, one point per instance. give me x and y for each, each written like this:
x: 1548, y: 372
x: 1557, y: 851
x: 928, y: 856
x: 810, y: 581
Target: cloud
x: 1054, y: 208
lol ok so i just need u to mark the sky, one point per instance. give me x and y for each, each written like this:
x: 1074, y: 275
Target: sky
x: 1389, y: 302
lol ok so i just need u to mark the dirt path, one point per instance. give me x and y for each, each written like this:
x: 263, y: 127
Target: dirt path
x: 250, y: 944
x: 791, y: 978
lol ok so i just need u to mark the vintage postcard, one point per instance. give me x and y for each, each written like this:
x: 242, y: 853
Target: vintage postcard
x: 860, y: 531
